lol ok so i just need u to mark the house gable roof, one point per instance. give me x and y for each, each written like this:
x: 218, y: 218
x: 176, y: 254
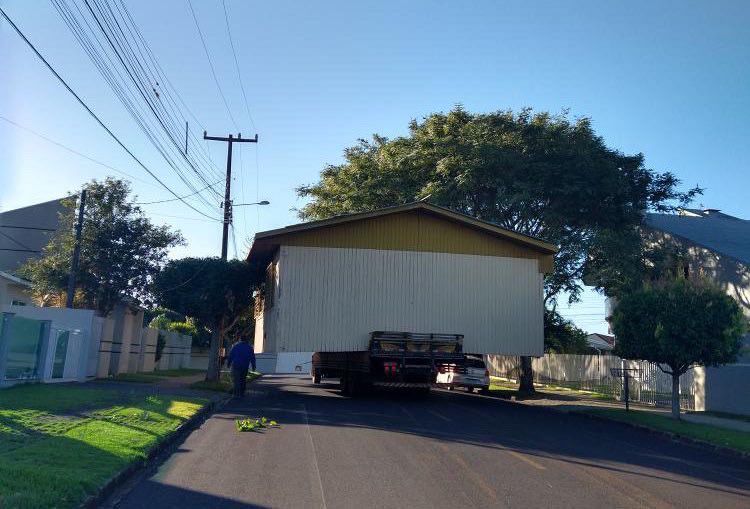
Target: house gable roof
x: 415, y: 226
x: 710, y: 229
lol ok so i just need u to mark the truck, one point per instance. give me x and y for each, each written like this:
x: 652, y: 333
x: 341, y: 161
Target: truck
x: 400, y: 360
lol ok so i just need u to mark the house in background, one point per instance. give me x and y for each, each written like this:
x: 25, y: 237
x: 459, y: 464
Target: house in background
x: 24, y: 232
x: 602, y: 343
x: 708, y: 244
x: 14, y: 291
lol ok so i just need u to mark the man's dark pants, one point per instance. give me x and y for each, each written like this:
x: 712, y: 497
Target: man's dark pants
x: 239, y: 377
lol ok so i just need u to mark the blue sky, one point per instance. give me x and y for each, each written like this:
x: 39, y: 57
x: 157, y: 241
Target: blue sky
x: 669, y: 79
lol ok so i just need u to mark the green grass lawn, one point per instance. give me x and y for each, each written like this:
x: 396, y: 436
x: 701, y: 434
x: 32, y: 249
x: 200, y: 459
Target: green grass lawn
x: 224, y: 384
x: 718, y: 436
x: 156, y: 376
x: 60, y: 443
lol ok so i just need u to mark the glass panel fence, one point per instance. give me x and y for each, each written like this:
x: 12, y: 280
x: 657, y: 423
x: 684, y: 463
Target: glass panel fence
x: 24, y: 338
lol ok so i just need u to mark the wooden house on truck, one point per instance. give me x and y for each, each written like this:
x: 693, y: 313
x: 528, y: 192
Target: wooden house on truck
x: 415, y: 268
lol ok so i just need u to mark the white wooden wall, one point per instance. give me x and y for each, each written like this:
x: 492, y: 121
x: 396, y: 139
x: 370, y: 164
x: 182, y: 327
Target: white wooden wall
x: 330, y: 299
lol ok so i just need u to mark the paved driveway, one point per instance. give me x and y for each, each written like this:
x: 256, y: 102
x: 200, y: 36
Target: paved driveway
x: 450, y: 450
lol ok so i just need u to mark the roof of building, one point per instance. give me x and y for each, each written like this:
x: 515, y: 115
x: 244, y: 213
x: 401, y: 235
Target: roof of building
x: 24, y: 232
x: 264, y: 243
x: 15, y: 279
x: 708, y: 228
x: 596, y: 338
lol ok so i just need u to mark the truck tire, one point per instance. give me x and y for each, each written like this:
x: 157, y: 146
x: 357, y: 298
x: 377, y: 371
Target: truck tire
x: 344, y: 384
x: 316, y: 377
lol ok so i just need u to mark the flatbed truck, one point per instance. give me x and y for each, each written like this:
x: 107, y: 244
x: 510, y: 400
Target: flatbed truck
x: 401, y: 360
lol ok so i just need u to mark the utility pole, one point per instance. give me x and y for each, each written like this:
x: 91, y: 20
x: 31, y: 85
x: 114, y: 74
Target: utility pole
x: 76, y: 253
x: 227, y: 205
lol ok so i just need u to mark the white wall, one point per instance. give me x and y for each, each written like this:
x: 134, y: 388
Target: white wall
x: 80, y: 325
x: 330, y: 299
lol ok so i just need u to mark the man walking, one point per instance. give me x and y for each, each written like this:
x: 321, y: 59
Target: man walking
x: 240, y: 358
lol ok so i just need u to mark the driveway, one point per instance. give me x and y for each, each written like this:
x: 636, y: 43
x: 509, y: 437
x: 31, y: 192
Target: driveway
x: 446, y: 451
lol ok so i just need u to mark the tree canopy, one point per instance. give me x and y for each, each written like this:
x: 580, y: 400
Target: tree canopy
x: 679, y: 324
x: 215, y: 292
x: 561, y: 335
x: 544, y: 175
x: 121, y: 250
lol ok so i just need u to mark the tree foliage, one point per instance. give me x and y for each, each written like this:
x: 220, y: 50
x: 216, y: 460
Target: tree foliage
x: 679, y: 324
x: 215, y: 292
x: 561, y: 335
x: 544, y: 175
x: 121, y: 250
x: 201, y: 336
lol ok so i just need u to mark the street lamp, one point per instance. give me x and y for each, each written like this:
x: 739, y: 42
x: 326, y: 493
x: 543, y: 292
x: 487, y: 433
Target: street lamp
x: 264, y: 202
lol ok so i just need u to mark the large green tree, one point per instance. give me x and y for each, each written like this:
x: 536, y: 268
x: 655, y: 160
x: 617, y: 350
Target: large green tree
x: 677, y: 325
x: 216, y: 293
x: 549, y: 176
x: 121, y: 250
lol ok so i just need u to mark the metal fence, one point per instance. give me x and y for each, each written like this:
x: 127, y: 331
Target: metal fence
x: 593, y: 373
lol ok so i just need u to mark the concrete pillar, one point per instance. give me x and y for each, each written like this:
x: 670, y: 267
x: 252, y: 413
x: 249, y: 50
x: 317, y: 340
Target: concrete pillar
x: 699, y: 388
x: 105, y: 348
x: 148, y: 340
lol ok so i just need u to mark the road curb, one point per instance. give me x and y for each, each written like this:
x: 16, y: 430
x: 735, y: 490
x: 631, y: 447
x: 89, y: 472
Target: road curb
x: 164, y: 447
x: 667, y: 434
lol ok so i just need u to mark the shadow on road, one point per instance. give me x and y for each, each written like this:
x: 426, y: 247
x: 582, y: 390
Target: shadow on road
x: 496, y: 424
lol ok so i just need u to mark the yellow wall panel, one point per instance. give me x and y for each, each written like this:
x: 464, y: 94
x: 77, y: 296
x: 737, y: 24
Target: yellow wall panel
x: 415, y: 231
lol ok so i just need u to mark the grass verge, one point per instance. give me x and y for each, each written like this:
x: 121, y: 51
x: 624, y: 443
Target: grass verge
x: 737, y: 440
x: 156, y: 376
x: 59, y: 443
x: 224, y: 384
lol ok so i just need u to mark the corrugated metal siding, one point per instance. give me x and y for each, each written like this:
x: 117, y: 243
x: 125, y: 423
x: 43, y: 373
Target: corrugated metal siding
x: 330, y: 299
x: 416, y: 231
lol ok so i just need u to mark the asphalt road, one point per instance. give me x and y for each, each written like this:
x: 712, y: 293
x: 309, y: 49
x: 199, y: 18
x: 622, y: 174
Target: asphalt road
x: 450, y: 450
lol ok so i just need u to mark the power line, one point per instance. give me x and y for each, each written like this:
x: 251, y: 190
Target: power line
x: 121, y: 86
x: 90, y: 112
x: 73, y: 151
x: 122, y: 55
x: 108, y: 73
x: 211, y: 64
x: 237, y: 64
x: 175, y: 199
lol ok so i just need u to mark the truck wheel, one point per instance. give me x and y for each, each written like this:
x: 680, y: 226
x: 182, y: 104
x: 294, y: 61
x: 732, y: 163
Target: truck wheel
x: 450, y: 387
x: 316, y: 377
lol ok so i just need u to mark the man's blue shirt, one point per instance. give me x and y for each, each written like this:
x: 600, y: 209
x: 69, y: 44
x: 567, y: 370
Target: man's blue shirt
x: 241, y: 356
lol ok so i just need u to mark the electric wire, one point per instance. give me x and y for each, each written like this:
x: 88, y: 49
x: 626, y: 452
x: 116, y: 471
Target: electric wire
x: 237, y: 64
x: 93, y: 115
x: 119, y: 89
x: 174, y: 199
x: 73, y: 151
x: 211, y: 64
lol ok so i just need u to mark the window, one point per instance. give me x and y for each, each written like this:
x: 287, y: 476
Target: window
x: 17, y: 303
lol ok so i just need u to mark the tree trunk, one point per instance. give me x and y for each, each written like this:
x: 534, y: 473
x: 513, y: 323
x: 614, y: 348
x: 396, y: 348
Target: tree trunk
x: 526, y: 377
x: 212, y: 374
x: 676, y: 396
